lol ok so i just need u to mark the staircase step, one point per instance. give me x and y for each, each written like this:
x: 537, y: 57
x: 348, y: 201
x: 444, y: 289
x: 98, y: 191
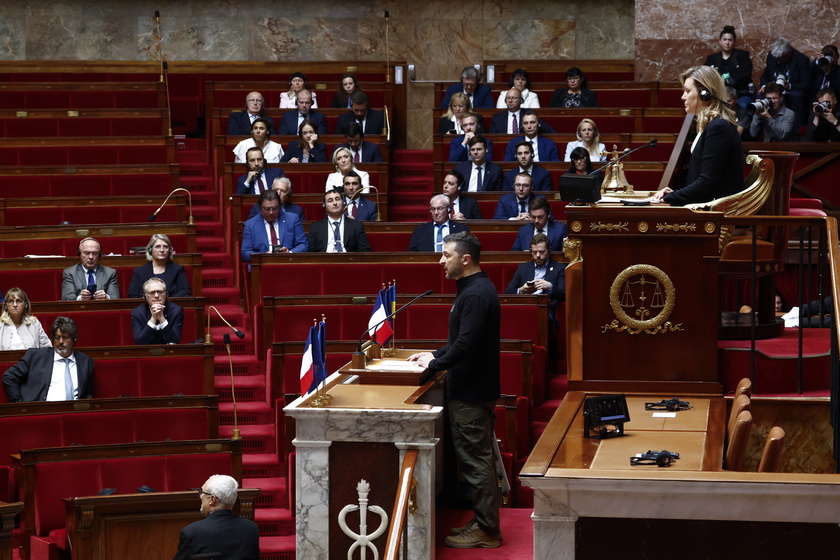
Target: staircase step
x: 264, y: 465
x: 412, y: 184
x: 220, y: 296
x: 216, y: 278
x: 277, y: 548
x: 247, y: 413
x: 401, y: 171
x: 248, y: 388
x: 275, y: 521
x: 243, y: 364
x: 412, y: 156
x: 273, y: 491
x: 256, y: 438
x: 216, y: 260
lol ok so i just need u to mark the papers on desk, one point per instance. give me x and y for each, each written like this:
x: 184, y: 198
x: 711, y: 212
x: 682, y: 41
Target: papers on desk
x: 664, y: 415
x: 395, y: 365
x: 626, y: 201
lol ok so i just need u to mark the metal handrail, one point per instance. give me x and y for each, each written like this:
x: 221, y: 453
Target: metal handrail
x: 403, y: 504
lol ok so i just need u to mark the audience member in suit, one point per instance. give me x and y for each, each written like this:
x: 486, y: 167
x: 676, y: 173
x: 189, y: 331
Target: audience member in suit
x: 788, y: 64
x: 582, y: 165
x: 19, y: 329
x: 514, y: 206
x: 335, y: 233
x: 221, y: 534
x: 544, y: 148
x: 361, y: 150
x: 290, y: 121
x: 510, y: 121
x: 480, y: 94
x: 372, y: 121
x: 89, y: 279
x: 283, y: 187
x: 307, y: 149
x: 54, y: 373
x: 450, y: 121
x: 239, y: 122
x: 522, y: 82
x: 260, y: 138
x: 576, y: 94
x: 286, y: 227
x: 342, y: 158
x: 157, y: 321
x: 347, y: 86
x: 258, y: 179
x: 541, y: 222
x: 822, y: 126
x: 480, y: 174
x: 541, y: 275
x: 160, y: 255
x: 589, y: 138
x: 540, y: 178
x: 297, y: 84
x: 460, y: 207
x: 358, y: 206
x: 429, y: 236
x: 458, y: 146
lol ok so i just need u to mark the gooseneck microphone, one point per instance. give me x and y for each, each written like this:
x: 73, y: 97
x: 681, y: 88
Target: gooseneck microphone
x: 236, y: 331
x: 358, y: 193
x: 651, y: 144
x: 236, y: 432
x: 373, y: 328
x: 153, y: 217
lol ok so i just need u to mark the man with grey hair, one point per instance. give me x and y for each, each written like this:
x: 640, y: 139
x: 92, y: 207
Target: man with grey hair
x: 221, y: 534
x: 790, y: 69
x: 157, y: 321
x: 429, y: 236
x: 480, y: 95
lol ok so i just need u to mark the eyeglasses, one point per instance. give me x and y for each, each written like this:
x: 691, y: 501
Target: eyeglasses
x: 203, y: 493
x: 156, y: 293
x: 270, y: 209
x: 15, y: 301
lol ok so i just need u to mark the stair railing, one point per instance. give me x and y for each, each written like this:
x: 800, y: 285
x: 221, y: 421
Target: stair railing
x: 405, y: 502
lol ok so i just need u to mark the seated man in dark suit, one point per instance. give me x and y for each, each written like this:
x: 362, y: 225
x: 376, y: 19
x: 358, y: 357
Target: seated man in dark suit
x: 542, y: 222
x: 542, y: 275
x: 362, y: 151
x: 480, y: 94
x: 371, y: 120
x: 460, y: 207
x: 459, y: 146
x: 515, y: 205
x: 510, y: 121
x: 540, y: 178
x: 335, y: 233
x: 290, y: 120
x: 157, y: 321
x: 430, y: 235
x: 545, y: 149
x: 273, y: 231
x: 357, y: 204
x: 258, y: 179
x: 283, y: 187
x: 221, y: 534
x: 239, y: 122
x: 480, y: 174
x: 89, y: 279
x: 55, y: 373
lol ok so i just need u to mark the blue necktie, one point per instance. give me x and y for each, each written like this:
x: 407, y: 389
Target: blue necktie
x: 69, y: 395
x: 439, y: 238
x: 337, y: 237
x: 479, y: 184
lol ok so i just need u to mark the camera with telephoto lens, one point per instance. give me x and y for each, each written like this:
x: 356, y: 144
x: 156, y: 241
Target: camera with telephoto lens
x: 825, y: 59
x: 822, y: 107
x: 756, y: 106
x: 782, y: 81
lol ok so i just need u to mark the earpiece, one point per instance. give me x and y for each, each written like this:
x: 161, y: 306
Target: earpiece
x: 79, y: 250
x: 706, y: 95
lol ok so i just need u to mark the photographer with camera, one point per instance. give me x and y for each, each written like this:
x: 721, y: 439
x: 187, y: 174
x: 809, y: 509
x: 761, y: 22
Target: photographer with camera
x: 790, y: 69
x: 825, y: 118
x: 772, y: 121
x: 825, y: 72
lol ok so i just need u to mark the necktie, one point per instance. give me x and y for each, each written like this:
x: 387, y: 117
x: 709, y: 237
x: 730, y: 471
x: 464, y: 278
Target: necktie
x: 68, y: 381
x: 337, y: 237
x: 540, y: 230
x: 261, y: 184
x: 355, y: 208
x: 522, y: 208
x: 452, y: 211
x: 439, y: 238
x: 479, y: 184
x: 272, y: 227
x: 357, y: 158
x: 514, y: 127
x: 91, y: 278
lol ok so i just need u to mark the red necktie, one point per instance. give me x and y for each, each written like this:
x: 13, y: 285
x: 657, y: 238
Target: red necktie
x: 273, y: 234
x: 355, y: 207
x: 262, y: 185
x: 357, y: 158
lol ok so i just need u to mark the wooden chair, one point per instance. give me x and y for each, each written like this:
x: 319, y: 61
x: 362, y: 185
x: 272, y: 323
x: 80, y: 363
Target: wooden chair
x: 773, y: 446
x: 736, y: 451
x: 744, y: 387
x: 740, y: 404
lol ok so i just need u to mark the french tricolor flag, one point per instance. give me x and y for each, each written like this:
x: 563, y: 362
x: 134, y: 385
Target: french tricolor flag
x: 307, y: 365
x: 381, y: 310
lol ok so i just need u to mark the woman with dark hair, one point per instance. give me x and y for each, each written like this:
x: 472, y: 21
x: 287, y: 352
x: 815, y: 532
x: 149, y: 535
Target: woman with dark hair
x: 576, y: 94
x: 160, y: 255
x: 297, y: 82
x: 582, y: 165
x: 307, y: 148
x: 521, y: 81
x: 347, y: 86
x: 260, y: 138
x: 19, y: 329
x: 734, y: 66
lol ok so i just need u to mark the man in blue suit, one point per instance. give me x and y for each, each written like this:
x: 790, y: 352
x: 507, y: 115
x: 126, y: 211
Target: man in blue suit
x: 290, y: 121
x: 541, y: 223
x: 541, y: 275
x: 239, y: 122
x: 273, y: 231
x: 258, y: 179
x: 430, y: 235
x: 362, y: 151
x: 357, y: 205
x: 480, y: 95
x: 540, y: 178
x: 510, y: 121
x: 459, y: 146
x: 515, y: 205
x: 480, y: 174
x: 544, y: 148
x: 460, y: 207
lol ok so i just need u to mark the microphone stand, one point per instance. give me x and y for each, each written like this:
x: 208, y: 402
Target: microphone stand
x: 651, y: 144
x: 236, y: 434
x: 359, y: 193
x: 153, y: 217
x: 207, y: 337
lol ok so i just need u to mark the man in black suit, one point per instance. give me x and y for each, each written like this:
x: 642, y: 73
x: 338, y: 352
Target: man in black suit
x: 290, y: 121
x: 335, y: 233
x: 157, y: 321
x: 221, y: 534
x: 460, y: 207
x: 239, y: 122
x: 358, y: 206
x: 480, y: 174
x: 542, y: 275
x: 430, y: 236
x: 510, y: 121
x: 54, y: 373
x: 540, y: 178
x: 372, y: 121
x: 258, y: 179
x: 515, y: 205
x: 89, y: 279
x: 362, y: 151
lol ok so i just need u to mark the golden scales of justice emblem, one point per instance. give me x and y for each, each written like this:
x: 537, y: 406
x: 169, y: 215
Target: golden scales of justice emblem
x: 642, y: 298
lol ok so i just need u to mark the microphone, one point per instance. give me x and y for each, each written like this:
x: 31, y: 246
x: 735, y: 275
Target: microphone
x: 153, y: 217
x: 651, y: 144
x: 358, y: 193
x: 373, y: 328
x: 236, y: 434
x: 236, y: 331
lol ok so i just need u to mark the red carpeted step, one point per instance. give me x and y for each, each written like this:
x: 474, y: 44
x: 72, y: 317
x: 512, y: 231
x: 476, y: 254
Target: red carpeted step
x: 220, y: 296
x: 273, y: 491
x: 275, y: 522
x: 248, y: 388
x: 247, y: 412
x: 210, y: 260
x: 277, y: 548
x: 216, y: 278
x: 558, y: 385
x: 545, y: 411
x: 243, y: 364
x: 207, y: 244
x: 256, y: 438
x: 265, y: 465
x: 413, y: 156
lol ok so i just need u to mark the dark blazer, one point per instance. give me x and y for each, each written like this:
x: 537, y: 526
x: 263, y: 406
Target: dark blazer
x: 738, y: 66
x: 144, y: 334
x: 556, y: 235
x: 421, y: 237
x: 498, y: 123
x: 822, y: 132
x: 354, y: 239
x: 799, y: 70
x: 319, y: 154
x: 289, y: 122
x: 255, y: 239
x: 716, y: 168
x: 374, y: 122
x: 482, y: 98
x: 817, y: 76
x: 174, y: 276
x: 445, y: 125
x: 556, y: 274
x: 459, y: 152
x: 269, y: 175
x: 587, y: 97
x: 540, y: 179
x: 366, y: 211
x: 74, y: 280
x: 228, y: 535
x: 370, y: 151
x: 288, y: 207
x: 492, y: 180
x: 508, y: 206
x: 468, y: 206
x: 240, y: 123
x: 547, y: 148
x: 29, y: 379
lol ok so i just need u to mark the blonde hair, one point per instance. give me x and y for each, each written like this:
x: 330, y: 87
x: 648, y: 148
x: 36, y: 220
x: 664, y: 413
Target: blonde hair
x: 335, y: 157
x: 463, y: 98
x: 26, y: 318
x: 594, y: 153
x: 707, y: 78
x: 151, y: 244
